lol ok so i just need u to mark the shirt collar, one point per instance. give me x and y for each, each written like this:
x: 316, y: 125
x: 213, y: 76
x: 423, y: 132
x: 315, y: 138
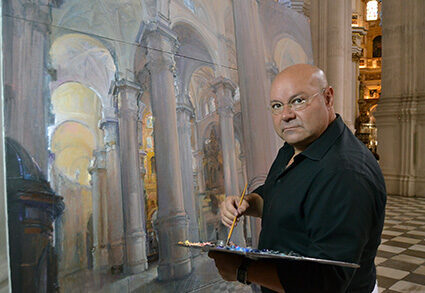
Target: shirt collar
x: 318, y: 148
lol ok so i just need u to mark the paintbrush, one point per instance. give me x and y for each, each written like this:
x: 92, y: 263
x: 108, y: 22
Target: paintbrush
x: 234, y: 220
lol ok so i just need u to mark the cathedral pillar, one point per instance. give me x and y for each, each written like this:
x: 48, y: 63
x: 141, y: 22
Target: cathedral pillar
x: 332, y: 47
x: 114, y: 210
x: 356, y: 53
x: 401, y: 108
x: 225, y: 89
x: 132, y: 191
x: 261, y: 148
x: 26, y: 95
x: 199, y: 158
x: 184, y: 115
x: 99, y: 183
x: 172, y: 222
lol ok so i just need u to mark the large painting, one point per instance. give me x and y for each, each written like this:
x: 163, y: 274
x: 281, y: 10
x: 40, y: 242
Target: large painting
x: 126, y: 125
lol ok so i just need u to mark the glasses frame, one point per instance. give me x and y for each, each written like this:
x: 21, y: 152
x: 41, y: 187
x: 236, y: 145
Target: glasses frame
x: 291, y: 106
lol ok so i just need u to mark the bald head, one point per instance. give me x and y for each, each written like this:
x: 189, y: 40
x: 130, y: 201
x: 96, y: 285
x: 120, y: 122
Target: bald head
x: 304, y: 74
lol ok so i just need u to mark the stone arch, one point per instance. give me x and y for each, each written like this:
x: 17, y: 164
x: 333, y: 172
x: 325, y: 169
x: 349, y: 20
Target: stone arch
x: 75, y: 101
x: 76, y: 141
x: 84, y: 59
x: 288, y: 52
x: 72, y: 144
x: 199, y: 88
x: 196, y: 50
x: 207, y: 130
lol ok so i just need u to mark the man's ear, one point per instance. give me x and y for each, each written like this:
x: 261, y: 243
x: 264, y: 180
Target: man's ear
x: 329, y: 96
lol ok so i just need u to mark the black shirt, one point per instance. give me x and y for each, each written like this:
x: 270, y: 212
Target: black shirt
x: 329, y: 203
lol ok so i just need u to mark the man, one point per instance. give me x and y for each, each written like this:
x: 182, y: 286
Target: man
x: 324, y: 196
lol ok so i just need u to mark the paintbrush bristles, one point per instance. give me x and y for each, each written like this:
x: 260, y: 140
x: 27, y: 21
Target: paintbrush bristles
x: 234, y: 220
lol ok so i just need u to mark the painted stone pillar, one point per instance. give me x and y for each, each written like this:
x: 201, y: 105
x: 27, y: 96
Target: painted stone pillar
x: 225, y: 89
x: 259, y: 134
x: 128, y: 94
x: 200, y: 179
x: 109, y: 125
x: 26, y: 44
x: 172, y: 222
x: 401, y: 108
x: 332, y: 47
x: 184, y: 115
x: 99, y: 182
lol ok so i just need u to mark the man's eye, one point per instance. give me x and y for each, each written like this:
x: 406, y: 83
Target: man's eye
x: 297, y: 101
x: 276, y: 105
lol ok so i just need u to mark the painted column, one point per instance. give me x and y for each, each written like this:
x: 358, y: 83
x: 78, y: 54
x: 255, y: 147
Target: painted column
x: 26, y: 44
x: 114, y: 210
x: 184, y: 115
x: 128, y: 94
x: 225, y: 89
x: 172, y: 222
x: 332, y: 47
x: 400, y: 115
x: 199, y: 156
x: 99, y: 183
x: 261, y: 148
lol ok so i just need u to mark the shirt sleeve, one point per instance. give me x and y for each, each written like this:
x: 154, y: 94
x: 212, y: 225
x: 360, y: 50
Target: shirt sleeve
x: 339, y: 213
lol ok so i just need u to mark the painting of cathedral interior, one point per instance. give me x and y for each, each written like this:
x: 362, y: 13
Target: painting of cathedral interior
x: 127, y: 123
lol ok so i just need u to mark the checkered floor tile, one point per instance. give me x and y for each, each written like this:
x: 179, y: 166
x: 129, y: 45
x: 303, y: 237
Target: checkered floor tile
x: 401, y: 256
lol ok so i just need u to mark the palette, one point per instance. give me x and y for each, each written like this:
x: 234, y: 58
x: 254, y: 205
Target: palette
x: 255, y: 254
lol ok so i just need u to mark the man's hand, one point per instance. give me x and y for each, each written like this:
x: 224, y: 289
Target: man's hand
x: 230, y: 209
x: 227, y: 264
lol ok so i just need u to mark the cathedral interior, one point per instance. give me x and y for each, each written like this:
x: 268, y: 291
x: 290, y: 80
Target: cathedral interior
x: 126, y: 123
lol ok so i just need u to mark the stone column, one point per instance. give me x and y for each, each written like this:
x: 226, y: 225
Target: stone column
x: 224, y: 89
x: 172, y: 222
x: 400, y: 115
x: 133, y: 199
x: 184, y: 115
x: 199, y: 155
x: 4, y: 251
x: 99, y: 182
x: 26, y: 42
x: 356, y: 53
x: 262, y: 147
x: 114, y: 210
x: 332, y: 47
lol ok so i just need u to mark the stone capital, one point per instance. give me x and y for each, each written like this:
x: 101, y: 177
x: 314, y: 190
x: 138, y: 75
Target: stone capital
x: 225, y: 83
x: 130, y: 88
x: 128, y: 93
x: 185, y: 108
x: 224, y: 89
x: 109, y: 121
x: 109, y: 113
x: 185, y: 105
x: 161, y: 44
x: 98, y: 161
x: 226, y: 111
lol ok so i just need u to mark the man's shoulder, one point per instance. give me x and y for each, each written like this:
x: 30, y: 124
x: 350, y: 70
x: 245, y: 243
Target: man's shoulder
x: 348, y: 156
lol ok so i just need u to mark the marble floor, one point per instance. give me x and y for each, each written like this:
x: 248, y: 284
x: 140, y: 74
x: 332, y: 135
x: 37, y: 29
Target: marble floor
x: 401, y: 256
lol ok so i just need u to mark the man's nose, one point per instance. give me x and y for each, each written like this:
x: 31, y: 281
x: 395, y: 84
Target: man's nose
x: 287, y: 113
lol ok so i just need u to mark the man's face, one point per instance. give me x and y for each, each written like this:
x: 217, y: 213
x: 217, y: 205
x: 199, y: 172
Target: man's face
x: 300, y: 128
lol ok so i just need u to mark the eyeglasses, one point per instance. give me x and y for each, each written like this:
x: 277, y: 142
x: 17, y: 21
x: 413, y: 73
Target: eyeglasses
x: 296, y: 103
